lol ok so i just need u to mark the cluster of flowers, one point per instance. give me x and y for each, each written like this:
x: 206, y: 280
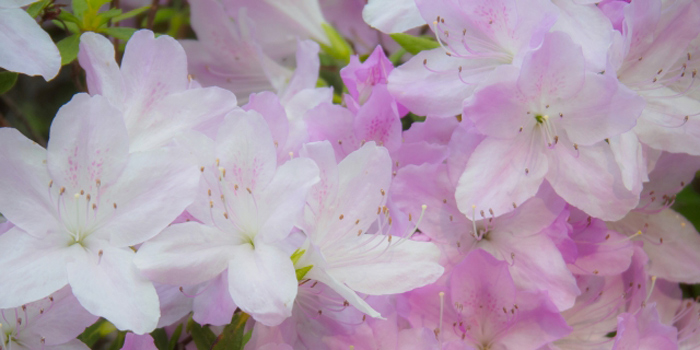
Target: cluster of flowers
x: 530, y: 210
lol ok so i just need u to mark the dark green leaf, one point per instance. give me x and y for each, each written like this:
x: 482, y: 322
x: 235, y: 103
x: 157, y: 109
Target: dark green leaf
x: 7, y: 81
x: 160, y: 339
x: 232, y: 337
x: 121, y: 33
x: 414, y: 44
x: 130, y: 14
x: 68, y: 47
x: 68, y: 17
x: 119, y: 342
x: 203, y: 337
x: 688, y: 204
x: 92, y: 334
x: 35, y: 9
x: 175, y: 338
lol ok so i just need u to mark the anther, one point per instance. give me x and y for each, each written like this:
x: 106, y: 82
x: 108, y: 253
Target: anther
x: 410, y: 217
x: 382, y: 191
x: 389, y: 238
x: 226, y: 215
x: 341, y: 216
x: 575, y: 146
x: 201, y: 169
x: 444, y: 200
x: 62, y: 191
x: 249, y: 191
x: 451, y: 218
x: 114, y: 205
x: 521, y: 129
x: 50, y: 183
x: 527, y: 171
x: 359, y: 232
x: 514, y: 205
x: 556, y: 139
x: 98, y: 182
x: 660, y: 70
x: 211, y: 204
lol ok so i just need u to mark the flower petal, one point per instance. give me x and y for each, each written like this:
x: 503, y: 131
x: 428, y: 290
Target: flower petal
x: 185, y: 254
x: 26, y: 47
x: 109, y: 285
x: 24, y: 184
x: 32, y: 268
x: 262, y: 282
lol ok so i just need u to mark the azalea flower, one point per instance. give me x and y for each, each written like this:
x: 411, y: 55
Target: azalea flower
x: 80, y: 206
x: 247, y: 205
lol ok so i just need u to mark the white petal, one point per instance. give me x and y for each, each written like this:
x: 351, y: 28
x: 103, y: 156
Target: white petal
x: 26, y: 48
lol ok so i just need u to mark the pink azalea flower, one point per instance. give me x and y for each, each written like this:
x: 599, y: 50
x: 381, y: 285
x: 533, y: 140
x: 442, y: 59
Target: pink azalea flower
x: 548, y: 122
x: 80, y: 205
x: 643, y: 330
x: 230, y: 54
x: 480, y: 307
x: 670, y: 240
x: 152, y: 87
x: 347, y: 245
x: 26, y: 47
x: 520, y: 238
x: 476, y: 38
x: 139, y: 342
x: 602, y: 299
x: 599, y: 250
x: 247, y: 205
x: 652, y: 57
x: 51, y: 323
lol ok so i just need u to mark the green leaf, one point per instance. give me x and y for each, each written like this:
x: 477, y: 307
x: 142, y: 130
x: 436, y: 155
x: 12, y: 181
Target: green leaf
x: 395, y: 57
x: 119, y: 342
x: 339, y: 47
x: 203, y: 337
x: 232, y: 337
x: 160, y: 339
x: 414, y: 44
x: 247, y: 336
x: 98, y: 330
x: 121, y: 33
x: 69, y: 47
x: 303, y: 271
x: 130, y: 14
x: 96, y: 4
x: 687, y: 203
x: 175, y: 338
x: 104, y: 17
x: 80, y: 7
x: 35, y: 9
x: 7, y: 81
x: 68, y: 17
